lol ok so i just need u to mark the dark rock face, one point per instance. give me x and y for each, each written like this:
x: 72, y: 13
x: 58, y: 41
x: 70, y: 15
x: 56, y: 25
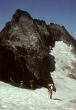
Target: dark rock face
x: 59, y: 33
x: 24, y: 49
x: 23, y: 53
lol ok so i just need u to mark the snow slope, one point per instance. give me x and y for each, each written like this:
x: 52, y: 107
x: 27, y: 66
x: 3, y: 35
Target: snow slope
x: 13, y: 98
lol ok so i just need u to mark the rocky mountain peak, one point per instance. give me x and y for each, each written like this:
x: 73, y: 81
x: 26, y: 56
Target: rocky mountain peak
x: 24, y: 49
x: 19, y: 13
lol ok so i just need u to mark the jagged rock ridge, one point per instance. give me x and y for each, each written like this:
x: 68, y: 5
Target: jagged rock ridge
x: 24, y: 49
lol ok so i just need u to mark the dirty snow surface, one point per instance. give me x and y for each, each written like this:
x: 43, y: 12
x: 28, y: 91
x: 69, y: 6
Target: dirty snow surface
x: 13, y: 98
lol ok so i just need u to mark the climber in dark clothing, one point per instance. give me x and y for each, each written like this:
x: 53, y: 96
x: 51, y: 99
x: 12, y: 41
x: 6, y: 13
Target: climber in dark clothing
x: 50, y: 90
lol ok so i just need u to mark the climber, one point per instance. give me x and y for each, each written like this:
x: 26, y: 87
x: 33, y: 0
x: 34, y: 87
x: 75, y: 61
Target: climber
x: 21, y: 83
x: 32, y: 84
x: 50, y: 90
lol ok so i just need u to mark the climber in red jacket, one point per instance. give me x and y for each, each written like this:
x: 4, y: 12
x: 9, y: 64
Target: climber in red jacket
x: 32, y: 84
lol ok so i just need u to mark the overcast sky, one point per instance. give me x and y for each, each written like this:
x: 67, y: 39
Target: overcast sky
x: 62, y: 12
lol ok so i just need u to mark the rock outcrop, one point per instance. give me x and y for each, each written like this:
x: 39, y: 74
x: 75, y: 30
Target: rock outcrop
x: 24, y: 49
